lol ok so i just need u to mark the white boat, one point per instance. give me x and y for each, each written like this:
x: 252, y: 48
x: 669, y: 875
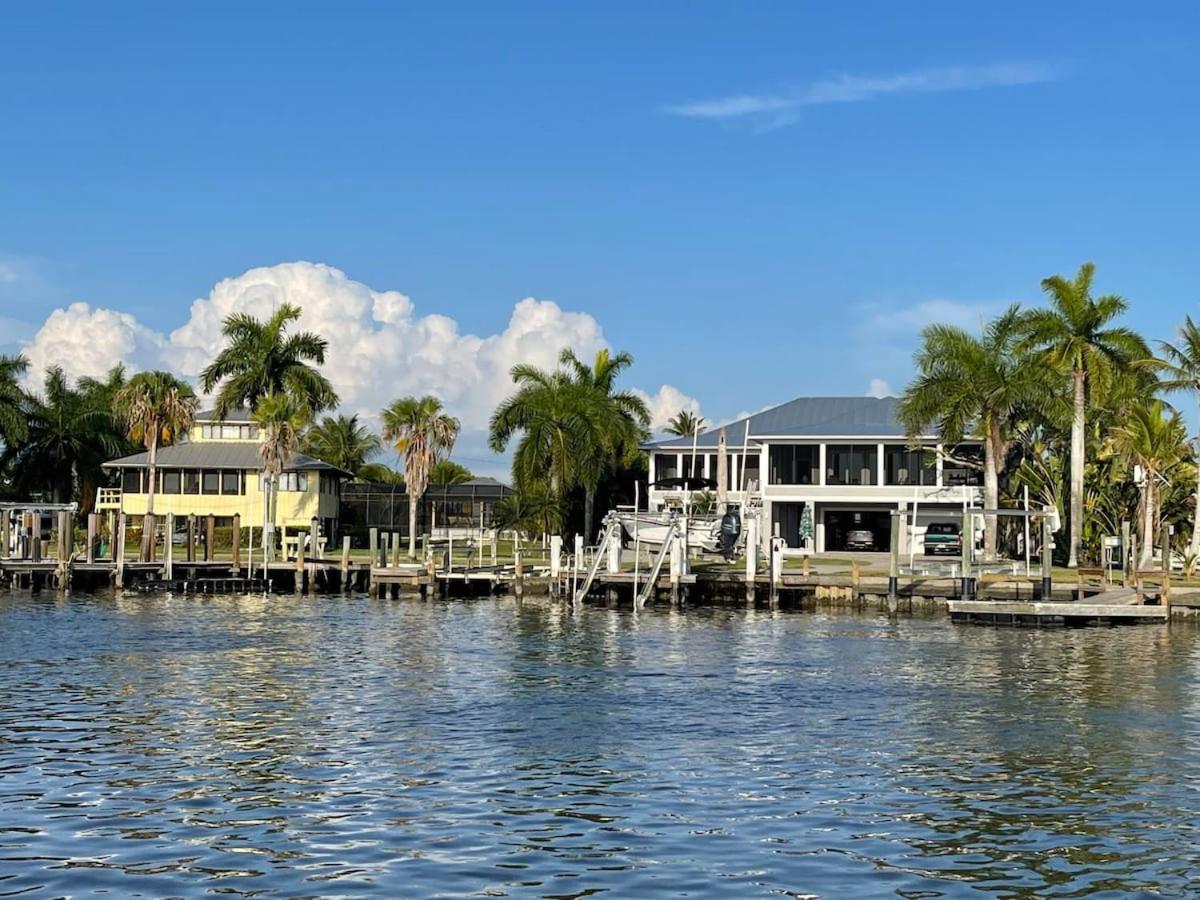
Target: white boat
x: 650, y: 529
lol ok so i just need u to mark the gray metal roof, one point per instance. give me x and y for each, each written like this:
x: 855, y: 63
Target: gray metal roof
x: 237, y: 414
x: 216, y: 455
x: 807, y: 417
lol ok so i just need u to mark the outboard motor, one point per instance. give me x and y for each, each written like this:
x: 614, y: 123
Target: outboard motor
x: 731, y: 529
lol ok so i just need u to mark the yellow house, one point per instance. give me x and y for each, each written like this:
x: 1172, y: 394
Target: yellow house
x: 216, y: 470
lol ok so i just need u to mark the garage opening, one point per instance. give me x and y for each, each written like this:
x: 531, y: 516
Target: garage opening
x: 865, y: 529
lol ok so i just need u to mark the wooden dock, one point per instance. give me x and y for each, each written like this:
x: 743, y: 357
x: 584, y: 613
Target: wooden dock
x: 1000, y: 612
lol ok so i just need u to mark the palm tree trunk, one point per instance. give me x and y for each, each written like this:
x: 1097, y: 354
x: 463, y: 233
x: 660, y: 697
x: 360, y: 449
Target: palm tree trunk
x: 148, y: 519
x: 589, y: 512
x: 1147, y: 554
x: 414, y: 503
x: 991, y: 496
x: 1078, y: 423
x: 1194, y: 546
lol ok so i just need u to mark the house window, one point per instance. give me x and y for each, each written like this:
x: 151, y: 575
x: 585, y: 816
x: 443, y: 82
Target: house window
x: 191, y: 481
x: 131, y: 481
x: 666, y: 465
x: 794, y: 464
x: 851, y: 464
x: 210, y: 482
x: 693, y: 466
x: 230, y: 482
x: 172, y: 481
x: 293, y: 481
x: 230, y: 432
x: 906, y: 466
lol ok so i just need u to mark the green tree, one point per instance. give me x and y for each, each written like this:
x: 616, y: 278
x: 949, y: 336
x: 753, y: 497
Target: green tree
x: 685, y: 423
x: 1078, y: 339
x: 975, y: 386
x: 67, y: 435
x: 280, y: 421
x: 380, y: 473
x: 341, y: 441
x: 532, y: 510
x: 619, y: 421
x: 260, y: 358
x: 423, y: 433
x: 156, y: 408
x: 1179, y: 368
x: 446, y: 471
x: 1154, y: 439
x: 13, y: 406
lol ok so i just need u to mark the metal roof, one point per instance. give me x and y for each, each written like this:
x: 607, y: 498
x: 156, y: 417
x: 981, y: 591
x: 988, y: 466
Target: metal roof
x: 217, y: 455
x: 804, y: 417
x: 237, y: 414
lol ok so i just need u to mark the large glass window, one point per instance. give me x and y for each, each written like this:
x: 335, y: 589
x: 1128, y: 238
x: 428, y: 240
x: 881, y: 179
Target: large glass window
x: 131, y: 481
x: 794, y: 464
x: 855, y: 464
x: 230, y: 482
x: 905, y: 465
x: 172, y: 481
x: 666, y: 465
x: 293, y: 481
x: 693, y: 467
x: 964, y: 465
x: 210, y: 482
x: 191, y: 481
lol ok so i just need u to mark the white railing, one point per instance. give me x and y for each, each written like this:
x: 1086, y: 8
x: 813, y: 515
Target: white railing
x: 108, y: 498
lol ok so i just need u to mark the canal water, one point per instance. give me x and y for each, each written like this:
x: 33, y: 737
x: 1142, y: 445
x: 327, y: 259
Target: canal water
x: 158, y: 745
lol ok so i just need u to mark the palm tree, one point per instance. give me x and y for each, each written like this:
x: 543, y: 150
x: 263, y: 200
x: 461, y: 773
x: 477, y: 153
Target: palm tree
x: 342, y: 442
x: 380, y: 473
x: 67, y: 435
x: 423, y: 433
x: 281, y: 420
x: 547, y: 411
x: 531, y: 509
x: 13, y: 424
x: 260, y: 358
x: 1179, y: 370
x: 446, y: 471
x: 1155, y: 440
x: 974, y: 385
x: 619, y: 421
x: 1077, y: 337
x: 156, y: 408
x: 684, y: 423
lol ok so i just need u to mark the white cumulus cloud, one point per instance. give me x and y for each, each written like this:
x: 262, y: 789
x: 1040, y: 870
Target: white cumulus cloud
x: 666, y: 403
x: 879, y: 388
x: 380, y: 346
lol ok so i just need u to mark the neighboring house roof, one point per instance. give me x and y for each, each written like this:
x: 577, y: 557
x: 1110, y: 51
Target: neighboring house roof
x: 217, y: 455
x: 238, y: 414
x: 804, y: 417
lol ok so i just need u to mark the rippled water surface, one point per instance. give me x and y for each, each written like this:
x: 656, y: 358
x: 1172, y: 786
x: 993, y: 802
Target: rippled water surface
x: 177, y: 746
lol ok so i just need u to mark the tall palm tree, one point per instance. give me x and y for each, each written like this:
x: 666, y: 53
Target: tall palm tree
x: 684, y: 423
x: 619, y: 421
x: 547, y: 411
x: 156, y: 408
x: 67, y: 435
x: 1156, y: 440
x: 1179, y: 368
x: 969, y: 385
x: 424, y: 433
x: 280, y: 420
x: 1078, y: 338
x: 342, y: 442
x: 13, y: 423
x: 260, y: 358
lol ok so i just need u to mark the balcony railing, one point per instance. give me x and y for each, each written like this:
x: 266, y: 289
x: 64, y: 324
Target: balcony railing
x: 108, y: 498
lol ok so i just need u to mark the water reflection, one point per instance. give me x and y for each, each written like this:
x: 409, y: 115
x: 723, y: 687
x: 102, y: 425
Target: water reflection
x: 356, y: 746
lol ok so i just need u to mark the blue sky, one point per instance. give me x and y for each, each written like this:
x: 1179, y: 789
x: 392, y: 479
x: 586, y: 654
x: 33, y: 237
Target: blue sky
x: 757, y: 201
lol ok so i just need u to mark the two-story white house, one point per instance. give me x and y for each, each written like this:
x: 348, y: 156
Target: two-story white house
x: 847, y: 459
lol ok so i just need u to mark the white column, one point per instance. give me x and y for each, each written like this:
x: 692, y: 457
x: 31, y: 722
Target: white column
x: 818, y: 529
x: 938, y: 451
x: 879, y: 464
x: 821, y: 464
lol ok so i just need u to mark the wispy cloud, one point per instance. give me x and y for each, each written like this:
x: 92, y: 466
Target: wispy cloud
x: 782, y: 107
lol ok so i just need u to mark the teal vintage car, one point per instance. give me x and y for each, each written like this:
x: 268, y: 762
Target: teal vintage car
x: 943, y: 538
